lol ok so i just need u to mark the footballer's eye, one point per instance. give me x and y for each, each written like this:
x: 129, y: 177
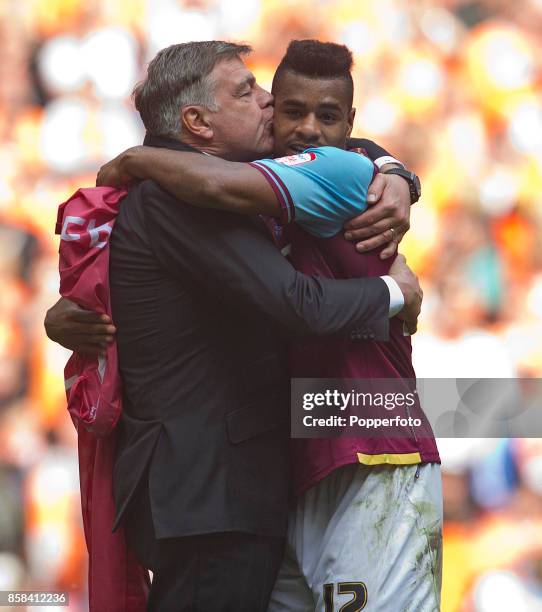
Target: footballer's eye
x: 292, y: 113
x: 247, y: 93
x: 328, y: 118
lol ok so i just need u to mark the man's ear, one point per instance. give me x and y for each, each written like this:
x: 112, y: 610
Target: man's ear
x: 196, y: 121
x: 351, y: 116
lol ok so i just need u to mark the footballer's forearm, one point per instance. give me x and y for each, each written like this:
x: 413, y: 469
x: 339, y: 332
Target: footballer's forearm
x: 382, y: 158
x: 204, y: 181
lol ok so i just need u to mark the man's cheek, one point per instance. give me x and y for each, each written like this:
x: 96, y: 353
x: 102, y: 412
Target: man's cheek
x: 278, y: 125
x: 280, y: 139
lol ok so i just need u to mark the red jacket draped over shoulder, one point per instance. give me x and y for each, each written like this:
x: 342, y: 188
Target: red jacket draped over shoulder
x: 116, y: 582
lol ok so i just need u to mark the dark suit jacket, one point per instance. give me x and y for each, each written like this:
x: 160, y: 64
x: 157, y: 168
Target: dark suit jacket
x: 203, y: 302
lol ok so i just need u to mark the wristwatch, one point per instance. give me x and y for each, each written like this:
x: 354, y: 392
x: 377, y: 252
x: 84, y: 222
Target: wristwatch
x: 412, y: 179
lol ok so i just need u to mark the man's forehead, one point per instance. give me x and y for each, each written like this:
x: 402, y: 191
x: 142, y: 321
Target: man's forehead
x: 306, y: 98
x: 302, y: 90
x: 233, y: 70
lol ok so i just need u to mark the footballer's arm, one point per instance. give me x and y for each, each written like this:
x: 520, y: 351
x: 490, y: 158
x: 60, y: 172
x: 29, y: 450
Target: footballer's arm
x: 204, y: 181
x: 207, y: 181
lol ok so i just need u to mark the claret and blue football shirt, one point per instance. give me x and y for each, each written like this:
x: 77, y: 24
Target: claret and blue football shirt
x: 320, y: 188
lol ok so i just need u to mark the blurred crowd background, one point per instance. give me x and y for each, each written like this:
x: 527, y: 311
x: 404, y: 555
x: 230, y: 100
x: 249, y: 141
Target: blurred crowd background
x: 452, y: 88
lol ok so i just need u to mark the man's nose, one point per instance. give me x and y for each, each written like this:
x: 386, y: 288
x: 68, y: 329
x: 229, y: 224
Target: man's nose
x: 265, y: 99
x: 308, y: 128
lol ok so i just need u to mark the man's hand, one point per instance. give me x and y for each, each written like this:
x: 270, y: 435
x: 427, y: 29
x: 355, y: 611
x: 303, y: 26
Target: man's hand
x: 410, y: 286
x: 77, y: 329
x: 387, y: 220
x: 115, y: 173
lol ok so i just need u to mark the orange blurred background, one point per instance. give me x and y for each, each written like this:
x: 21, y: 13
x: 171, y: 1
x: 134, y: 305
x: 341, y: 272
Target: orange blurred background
x: 452, y: 88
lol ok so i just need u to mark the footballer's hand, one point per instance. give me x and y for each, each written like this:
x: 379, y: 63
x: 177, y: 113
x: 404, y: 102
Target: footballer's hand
x: 412, y: 292
x: 116, y: 173
x: 77, y: 329
x: 387, y: 219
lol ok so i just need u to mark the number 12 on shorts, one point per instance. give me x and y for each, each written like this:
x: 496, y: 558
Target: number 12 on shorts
x: 357, y: 589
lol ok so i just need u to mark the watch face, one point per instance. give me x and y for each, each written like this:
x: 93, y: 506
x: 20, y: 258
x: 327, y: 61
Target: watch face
x: 414, y: 183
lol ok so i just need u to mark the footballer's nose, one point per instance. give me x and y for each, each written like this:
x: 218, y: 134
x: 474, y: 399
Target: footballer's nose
x: 308, y: 129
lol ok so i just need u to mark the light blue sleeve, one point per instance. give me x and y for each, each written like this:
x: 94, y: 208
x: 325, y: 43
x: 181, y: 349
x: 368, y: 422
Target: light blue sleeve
x: 321, y: 188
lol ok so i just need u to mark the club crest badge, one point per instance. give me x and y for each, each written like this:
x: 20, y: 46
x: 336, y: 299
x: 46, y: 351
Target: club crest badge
x: 296, y: 160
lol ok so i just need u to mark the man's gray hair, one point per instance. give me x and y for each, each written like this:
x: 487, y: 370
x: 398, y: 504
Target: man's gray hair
x: 180, y: 76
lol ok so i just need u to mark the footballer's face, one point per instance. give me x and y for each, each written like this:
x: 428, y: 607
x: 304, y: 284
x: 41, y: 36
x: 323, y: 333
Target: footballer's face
x: 310, y: 113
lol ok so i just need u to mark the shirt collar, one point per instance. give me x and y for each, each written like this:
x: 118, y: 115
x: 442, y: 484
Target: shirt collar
x: 165, y: 142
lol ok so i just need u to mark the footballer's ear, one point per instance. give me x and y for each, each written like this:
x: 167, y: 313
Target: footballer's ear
x: 196, y: 121
x: 350, y: 120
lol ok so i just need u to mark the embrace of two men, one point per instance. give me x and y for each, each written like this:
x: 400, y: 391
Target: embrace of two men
x: 212, y: 320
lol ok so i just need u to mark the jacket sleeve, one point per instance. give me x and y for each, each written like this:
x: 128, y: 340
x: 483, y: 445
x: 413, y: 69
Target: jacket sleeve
x: 373, y: 150
x: 234, y: 262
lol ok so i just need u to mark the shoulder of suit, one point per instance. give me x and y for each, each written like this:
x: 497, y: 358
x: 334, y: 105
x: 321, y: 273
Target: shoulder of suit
x: 150, y: 191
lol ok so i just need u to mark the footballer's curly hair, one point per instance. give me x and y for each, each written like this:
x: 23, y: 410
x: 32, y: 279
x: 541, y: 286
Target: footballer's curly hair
x: 317, y: 60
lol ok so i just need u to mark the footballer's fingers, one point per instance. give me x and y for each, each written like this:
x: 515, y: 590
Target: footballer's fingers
x: 92, y: 345
x: 376, y: 189
x: 80, y: 315
x: 390, y: 236
x: 363, y: 226
x: 91, y: 329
